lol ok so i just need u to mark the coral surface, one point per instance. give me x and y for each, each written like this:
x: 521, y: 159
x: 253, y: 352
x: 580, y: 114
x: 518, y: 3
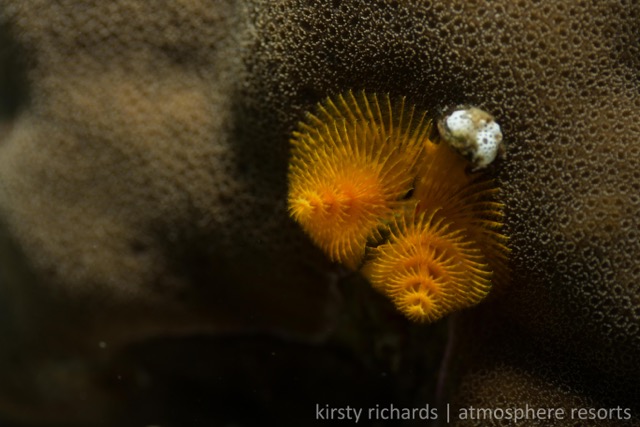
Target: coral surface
x: 143, y: 182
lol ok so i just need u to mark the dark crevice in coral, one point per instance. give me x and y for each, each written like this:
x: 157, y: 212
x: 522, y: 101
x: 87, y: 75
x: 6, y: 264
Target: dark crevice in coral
x: 14, y: 87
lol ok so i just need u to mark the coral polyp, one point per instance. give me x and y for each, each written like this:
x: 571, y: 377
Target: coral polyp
x: 428, y: 268
x: 351, y: 166
x: 374, y: 191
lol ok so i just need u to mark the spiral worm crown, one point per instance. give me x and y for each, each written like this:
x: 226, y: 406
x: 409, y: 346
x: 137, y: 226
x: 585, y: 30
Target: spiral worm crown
x: 352, y: 164
x: 375, y: 193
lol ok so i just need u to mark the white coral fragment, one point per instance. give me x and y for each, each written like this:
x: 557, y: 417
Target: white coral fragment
x: 474, y: 133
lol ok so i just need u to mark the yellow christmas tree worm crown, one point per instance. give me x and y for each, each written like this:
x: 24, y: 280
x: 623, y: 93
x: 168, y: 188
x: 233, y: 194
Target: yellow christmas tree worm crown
x: 351, y: 165
x: 365, y: 177
x: 428, y: 268
x: 467, y: 201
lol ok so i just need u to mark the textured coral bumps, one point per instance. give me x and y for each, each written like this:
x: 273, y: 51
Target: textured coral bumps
x: 375, y: 193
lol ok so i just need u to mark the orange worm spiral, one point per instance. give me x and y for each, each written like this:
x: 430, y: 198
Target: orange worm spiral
x: 351, y: 165
x: 374, y: 192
